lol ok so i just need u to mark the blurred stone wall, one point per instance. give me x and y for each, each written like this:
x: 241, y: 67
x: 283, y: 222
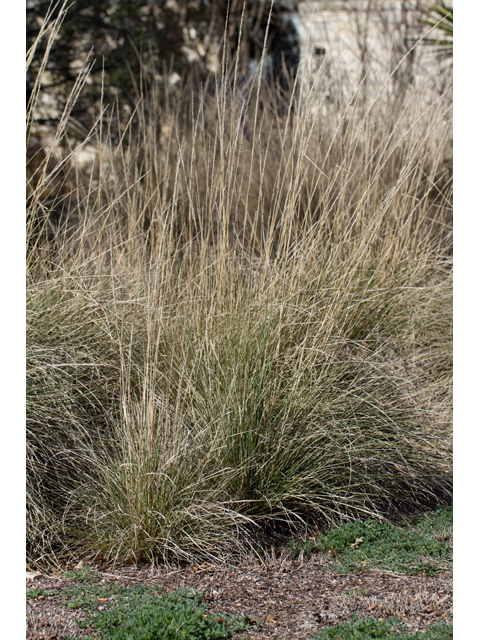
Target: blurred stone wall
x: 367, y: 41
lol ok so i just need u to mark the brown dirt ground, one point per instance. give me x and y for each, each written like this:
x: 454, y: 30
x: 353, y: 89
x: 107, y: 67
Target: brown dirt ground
x: 289, y: 598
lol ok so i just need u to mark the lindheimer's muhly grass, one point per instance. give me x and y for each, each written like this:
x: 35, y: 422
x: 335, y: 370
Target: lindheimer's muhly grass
x: 247, y: 318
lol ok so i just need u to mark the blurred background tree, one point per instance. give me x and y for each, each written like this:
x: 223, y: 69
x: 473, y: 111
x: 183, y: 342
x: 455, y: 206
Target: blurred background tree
x: 136, y: 43
x: 137, y: 46
x: 264, y: 22
x: 126, y: 38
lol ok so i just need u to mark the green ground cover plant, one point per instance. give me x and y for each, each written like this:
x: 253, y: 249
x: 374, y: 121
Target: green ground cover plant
x: 83, y: 574
x: 147, y: 613
x: 438, y: 524
x: 139, y: 612
x: 38, y: 591
x: 367, y: 543
x: 376, y: 628
x: 240, y: 315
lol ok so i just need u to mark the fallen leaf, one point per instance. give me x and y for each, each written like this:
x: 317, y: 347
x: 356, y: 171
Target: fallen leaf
x: 355, y: 544
x: 270, y: 619
x: 195, y: 569
x: 34, y: 575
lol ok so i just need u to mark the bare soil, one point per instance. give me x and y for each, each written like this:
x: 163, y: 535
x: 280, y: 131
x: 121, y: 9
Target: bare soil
x: 288, y: 598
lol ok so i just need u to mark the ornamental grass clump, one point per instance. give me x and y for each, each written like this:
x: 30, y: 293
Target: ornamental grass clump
x: 244, y: 318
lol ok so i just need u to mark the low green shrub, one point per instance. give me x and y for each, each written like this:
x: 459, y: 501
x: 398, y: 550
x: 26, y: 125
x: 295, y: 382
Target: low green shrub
x: 141, y: 613
x: 365, y: 543
x: 84, y: 574
x: 373, y: 628
x: 38, y: 591
x: 436, y: 523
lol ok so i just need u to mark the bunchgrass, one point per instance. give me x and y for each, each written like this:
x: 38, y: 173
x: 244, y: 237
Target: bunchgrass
x: 242, y: 315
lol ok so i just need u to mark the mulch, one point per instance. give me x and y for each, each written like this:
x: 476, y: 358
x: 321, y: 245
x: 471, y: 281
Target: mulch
x: 289, y: 598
